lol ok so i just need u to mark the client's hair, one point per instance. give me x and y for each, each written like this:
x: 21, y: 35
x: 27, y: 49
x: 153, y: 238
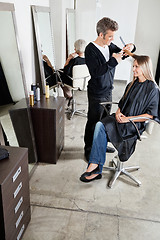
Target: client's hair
x: 80, y: 45
x: 146, y: 65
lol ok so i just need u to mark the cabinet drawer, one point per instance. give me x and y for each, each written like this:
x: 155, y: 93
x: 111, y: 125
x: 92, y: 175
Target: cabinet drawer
x: 12, y: 192
x: 14, y: 178
x: 19, y: 231
x: 15, y: 215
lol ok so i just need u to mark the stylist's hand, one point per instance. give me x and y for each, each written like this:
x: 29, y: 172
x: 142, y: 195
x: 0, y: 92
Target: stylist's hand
x: 118, y: 56
x: 128, y: 47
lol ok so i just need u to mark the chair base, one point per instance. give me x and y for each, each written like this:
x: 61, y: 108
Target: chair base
x: 120, y: 169
x: 73, y: 111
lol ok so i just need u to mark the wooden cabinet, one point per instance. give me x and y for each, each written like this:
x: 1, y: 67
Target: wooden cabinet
x: 47, y: 117
x: 14, y: 194
x: 48, y: 125
x: 19, y: 115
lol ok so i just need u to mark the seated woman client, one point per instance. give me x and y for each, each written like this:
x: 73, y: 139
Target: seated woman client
x: 141, y: 98
x: 76, y: 58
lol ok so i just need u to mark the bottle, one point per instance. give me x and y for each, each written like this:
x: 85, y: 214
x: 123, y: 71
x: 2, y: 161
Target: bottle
x: 47, y: 90
x: 31, y: 98
x: 38, y: 92
x: 33, y: 88
x: 54, y: 93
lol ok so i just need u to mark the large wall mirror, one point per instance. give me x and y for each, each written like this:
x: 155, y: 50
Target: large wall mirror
x: 13, y: 89
x: 44, y: 39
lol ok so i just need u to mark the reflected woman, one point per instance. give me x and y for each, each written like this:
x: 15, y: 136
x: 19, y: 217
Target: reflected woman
x: 141, y: 99
x: 76, y: 58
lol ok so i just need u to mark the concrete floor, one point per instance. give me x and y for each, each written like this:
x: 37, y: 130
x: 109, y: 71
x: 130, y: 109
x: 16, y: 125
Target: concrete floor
x: 63, y: 208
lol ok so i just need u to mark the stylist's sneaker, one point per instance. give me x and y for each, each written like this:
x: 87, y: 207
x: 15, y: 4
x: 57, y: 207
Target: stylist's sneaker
x: 110, y: 150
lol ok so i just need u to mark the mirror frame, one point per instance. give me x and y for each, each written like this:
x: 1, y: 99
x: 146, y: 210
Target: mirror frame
x: 10, y: 7
x: 35, y: 10
x: 68, y: 27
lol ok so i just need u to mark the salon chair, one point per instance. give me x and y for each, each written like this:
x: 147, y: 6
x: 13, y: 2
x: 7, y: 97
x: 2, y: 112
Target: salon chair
x: 118, y: 167
x: 80, y: 78
x: 52, y: 80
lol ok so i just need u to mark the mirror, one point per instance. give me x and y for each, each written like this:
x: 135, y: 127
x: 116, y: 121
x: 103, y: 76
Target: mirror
x: 13, y: 91
x: 44, y: 40
x: 71, y: 31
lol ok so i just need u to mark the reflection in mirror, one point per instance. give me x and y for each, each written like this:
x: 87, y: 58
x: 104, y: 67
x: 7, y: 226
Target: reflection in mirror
x: 12, y: 83
x: 44, y: 39
x: 71, y: 30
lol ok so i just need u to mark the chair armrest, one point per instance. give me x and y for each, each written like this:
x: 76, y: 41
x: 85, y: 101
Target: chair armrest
x: 104, y: 103
x: 138, y: 118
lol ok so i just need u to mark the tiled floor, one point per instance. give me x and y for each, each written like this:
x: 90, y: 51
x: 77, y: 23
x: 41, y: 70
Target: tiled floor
x: 63, y: 208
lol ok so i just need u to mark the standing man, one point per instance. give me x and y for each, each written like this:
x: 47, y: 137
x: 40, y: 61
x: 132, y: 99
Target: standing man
x: 102, y: 56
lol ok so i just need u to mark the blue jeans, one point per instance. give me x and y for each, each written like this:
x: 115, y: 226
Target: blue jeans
x: 99, y: 146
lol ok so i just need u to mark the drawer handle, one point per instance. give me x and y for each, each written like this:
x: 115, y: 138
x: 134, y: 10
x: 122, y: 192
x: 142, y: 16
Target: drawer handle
x: 15, y: 176
x: 60, y: 110
x: 18, y: 205
x: 19, y: 219
x: 17, y: 190
x: 20, y: 232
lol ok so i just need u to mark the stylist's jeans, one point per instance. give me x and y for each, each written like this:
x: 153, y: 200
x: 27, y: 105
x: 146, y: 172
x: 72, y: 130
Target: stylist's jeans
x: 98, y: 151
x: 95, y: 113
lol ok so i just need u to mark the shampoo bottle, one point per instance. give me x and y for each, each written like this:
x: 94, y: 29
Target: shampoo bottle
x: 33, y: 88
x: 38, y: 92
x: 31, y: 98
x: 47, y: 90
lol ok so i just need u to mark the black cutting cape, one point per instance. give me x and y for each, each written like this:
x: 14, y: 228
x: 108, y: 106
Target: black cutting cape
x: 141, y: 98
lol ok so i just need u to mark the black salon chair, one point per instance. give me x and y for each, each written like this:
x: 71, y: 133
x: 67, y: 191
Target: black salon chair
x: 118, y: 167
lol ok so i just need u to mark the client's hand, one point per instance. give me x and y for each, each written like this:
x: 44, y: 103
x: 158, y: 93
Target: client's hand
x: 72, y: 55
x: 120, y: 117
x: 45, y: 58
x: 123, y: 119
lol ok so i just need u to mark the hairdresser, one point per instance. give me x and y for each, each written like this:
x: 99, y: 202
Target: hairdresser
x: 102, y: 56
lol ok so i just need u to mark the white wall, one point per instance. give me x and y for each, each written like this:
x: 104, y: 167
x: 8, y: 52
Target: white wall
x: 24, y: 25
x: 58, y: 10
x: 146, y: 34
x: 147, y: 37
x: 138, y: 22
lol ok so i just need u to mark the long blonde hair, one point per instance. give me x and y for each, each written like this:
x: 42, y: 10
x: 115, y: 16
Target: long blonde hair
x: 146, y: 65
